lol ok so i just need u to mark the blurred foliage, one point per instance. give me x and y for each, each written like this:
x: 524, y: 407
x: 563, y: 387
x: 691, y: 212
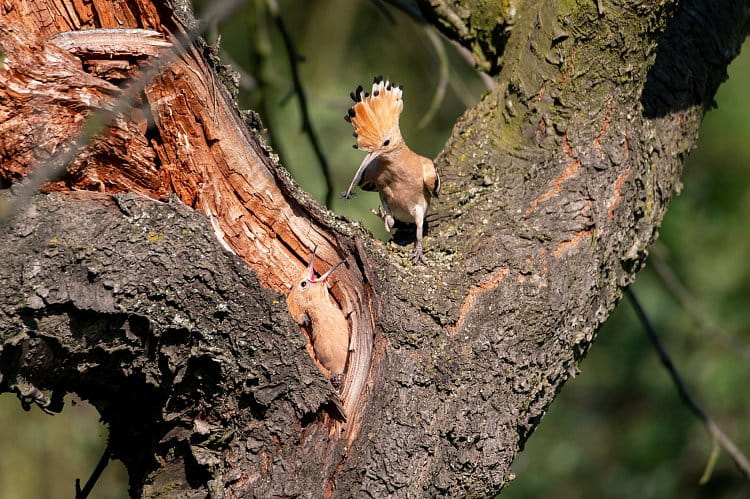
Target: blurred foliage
x: 618, y: 430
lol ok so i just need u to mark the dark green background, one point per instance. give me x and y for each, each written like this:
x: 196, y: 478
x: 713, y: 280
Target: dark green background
x: 616, y: 431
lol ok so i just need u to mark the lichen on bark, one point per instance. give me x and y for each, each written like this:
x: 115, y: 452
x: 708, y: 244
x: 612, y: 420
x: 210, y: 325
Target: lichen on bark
x: 482, y: 26
x: 553, y: 187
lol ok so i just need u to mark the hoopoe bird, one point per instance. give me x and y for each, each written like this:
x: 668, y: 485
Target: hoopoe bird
x: 405, y: 180
x: 312, y: 307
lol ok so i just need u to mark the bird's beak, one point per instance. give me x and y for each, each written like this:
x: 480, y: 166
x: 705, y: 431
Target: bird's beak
x: 330, y: 271
x: 371, y: 156
x: 310, y: 269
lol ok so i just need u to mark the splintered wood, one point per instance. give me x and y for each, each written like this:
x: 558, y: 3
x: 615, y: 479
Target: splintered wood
x: 45, y: 98
x: 183, y: 137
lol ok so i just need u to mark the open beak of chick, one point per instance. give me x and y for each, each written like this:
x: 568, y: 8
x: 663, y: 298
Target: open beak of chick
x: 311, y: 270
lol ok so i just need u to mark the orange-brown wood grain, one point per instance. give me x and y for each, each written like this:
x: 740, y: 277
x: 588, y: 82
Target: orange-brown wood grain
x: 50, y: 17
x: 209, y: 160
x: 45, y: 98
x: 197, y: 147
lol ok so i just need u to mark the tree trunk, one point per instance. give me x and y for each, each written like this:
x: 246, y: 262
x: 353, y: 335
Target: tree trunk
x: 153, y: 283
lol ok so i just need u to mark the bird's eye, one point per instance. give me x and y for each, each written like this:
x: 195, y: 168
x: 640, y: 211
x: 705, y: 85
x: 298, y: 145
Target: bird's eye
x: 388, y: 141
x: 303, y: 284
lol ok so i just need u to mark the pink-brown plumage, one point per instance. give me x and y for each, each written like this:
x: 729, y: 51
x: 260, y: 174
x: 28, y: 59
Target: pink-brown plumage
x: 312, y: 307
x: 406, y: 181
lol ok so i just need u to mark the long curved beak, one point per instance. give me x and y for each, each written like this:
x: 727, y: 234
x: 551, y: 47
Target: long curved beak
x: 358, y: 176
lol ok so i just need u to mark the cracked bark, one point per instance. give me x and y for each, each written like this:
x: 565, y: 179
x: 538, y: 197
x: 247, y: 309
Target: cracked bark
x: 554, y: 185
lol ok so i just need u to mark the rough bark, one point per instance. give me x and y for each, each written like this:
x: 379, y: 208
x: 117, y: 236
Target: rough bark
x: 482, y: 27
x: 553, y: 187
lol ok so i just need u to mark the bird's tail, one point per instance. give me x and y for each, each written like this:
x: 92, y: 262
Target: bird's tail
x: 375, y: 117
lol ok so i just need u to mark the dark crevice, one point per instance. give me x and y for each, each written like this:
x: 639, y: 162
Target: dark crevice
x: 692, y: 40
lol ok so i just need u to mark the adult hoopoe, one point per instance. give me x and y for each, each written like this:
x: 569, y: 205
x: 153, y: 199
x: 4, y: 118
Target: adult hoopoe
x: 405, y: 180
x: 313, y: 308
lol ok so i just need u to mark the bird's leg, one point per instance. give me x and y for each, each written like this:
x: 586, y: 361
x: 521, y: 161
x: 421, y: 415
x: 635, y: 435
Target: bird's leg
x: 388, y: 221
x: 417, y: 256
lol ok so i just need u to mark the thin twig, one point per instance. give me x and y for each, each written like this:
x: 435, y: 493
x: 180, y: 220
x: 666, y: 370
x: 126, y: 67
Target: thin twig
x: 443, y: 73
x: 307, y: 125
x: 708, y: 470
x: 467, y: 56
x: 267, y: 77
x: 83, y: 493
x: 670, y: 280
x: 737, y: 456
x: 380, y: 5
x: 413, y: 11
x: 462, y: 91
x: 56, y: 165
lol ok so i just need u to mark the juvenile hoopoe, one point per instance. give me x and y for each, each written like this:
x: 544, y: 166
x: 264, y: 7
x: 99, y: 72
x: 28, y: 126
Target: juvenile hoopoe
x: 405, y: 180
x: 313, y: 308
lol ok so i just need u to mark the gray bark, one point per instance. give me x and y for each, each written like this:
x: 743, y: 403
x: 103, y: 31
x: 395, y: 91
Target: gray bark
x: 553, y: 188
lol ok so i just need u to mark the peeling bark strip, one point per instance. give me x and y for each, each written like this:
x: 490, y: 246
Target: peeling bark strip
x: 110, y: 43
x: 112, y: 54
x: 554, y: 185
x: 483, y: 287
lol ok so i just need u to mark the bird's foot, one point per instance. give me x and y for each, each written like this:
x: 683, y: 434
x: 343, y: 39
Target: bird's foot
x: 418, y: 255
x: 336, y: 381
x: 347, y: 194
x: 380, y: 213
x: 387, y: 219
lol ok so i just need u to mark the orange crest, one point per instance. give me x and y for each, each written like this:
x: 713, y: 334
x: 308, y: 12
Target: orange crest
x: 375, y: 117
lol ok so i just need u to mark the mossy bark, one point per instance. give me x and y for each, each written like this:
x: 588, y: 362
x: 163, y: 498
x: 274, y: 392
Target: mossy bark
x: 554, y: 185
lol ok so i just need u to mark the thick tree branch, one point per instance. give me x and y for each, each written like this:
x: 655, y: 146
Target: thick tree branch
x: 482, y: 27
x: 165, y: 333
x: 554, y: 185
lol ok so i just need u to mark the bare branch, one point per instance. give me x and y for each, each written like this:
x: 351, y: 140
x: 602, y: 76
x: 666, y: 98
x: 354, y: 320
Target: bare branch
x: 83, y: 493
x: 439, y: 96
x: 735, y: 453
x: 487, y: 80
x: 413, y: 11
x: 689, y: 304
x: 307, y: 125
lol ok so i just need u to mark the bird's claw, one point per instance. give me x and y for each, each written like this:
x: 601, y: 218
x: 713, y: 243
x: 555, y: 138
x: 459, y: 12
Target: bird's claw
x: 418, y: 255
x: 336, y: 381
x: 347, y: 194
x: 387, y: 219
x: 380, y: 213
